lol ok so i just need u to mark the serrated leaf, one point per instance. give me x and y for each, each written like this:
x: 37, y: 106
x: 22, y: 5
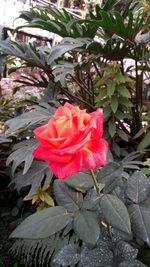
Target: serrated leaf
x: 139, y: 215
x: 99, y: 256
x: 86, y: 226
x: 114, y: 104
x: 115, y: 213
x: 112, y: 128
x: 42, y: 224
x: 67, y: 197
x: 37, y: 174
x: 137, y: 187
x: 28, y: 119
x: 111, y: 88
x: 123, y: 91
x: 22, y: 153
x: 80, y: 181
x: 68, y: 255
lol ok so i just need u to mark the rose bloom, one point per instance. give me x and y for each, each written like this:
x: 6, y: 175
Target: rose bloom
x: 71, y: 141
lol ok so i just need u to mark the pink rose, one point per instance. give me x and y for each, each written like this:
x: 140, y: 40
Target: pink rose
x: 71, y: 141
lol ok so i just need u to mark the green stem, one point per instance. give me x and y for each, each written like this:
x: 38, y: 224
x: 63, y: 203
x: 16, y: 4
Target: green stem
x: 95, y: 182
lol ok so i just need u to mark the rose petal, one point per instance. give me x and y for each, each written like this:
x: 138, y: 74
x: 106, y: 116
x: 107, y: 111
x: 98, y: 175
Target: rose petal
x: 42, y: 135
x: 46, y: 154
x: 94, y: 154
x: 62, y: 171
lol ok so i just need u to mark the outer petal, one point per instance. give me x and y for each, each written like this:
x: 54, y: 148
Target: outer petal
x: 98, y: 117
x: 46, y: 154
x: 94, y: 155
x: 62, y: 171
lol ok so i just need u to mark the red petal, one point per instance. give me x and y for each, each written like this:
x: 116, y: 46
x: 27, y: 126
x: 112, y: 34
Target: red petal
x: 94, y: 155
x: 46, y: 154
x: 62, y: 171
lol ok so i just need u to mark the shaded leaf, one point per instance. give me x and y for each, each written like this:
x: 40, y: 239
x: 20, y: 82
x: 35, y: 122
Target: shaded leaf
x: 27, y: 119
x: 22, y: 153
x: 112, y: 128
x: 111, y: 88
x: 67, y: 197
x: 99, y: 256
x: 68, y: 255
x: 42, y: 224
x: 123, y: 135
x: 134, y: 263
x: 140, y: 220
x: 125, y: 251
x: 123, y: 91
x: 115, y: 213
x: 86, y: 226
x: 137, y: 187
x: 37, y: 174
x: 110, y: 175
x: 80, y: 181
x: 114, y: 104
x: 145, y: 142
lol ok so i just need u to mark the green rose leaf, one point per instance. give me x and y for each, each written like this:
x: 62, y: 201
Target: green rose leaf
x: 115, y: 213
x: 42, y: 224
x: 80, y: 181
x: 140, y: 220
x: 67, y: 197
x: 86, y: 226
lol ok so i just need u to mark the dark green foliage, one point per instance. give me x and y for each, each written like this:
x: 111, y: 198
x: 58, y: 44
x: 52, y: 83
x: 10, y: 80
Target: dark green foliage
x: 86, y: 229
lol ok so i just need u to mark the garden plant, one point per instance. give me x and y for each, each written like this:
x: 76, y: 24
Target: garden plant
x: 81, y: 153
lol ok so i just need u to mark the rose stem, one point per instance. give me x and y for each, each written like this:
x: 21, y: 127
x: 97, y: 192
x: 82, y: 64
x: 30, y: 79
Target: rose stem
x: 95, y: 182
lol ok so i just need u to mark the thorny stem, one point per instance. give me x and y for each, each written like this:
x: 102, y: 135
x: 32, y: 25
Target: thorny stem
x: 95, y: 182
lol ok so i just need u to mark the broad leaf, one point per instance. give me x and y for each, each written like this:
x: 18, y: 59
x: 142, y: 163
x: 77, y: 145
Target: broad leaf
x: 122, y: 135
x: 37, y: 174
x: 86, y: 226
x: 140, y: 220
x: 80, y: 181
x: 91, y: 200
x: 42, y: 224
x: 112, y: 128
x: 110, y: 175
x: 22, y: 153
x: 68, y: 255
x: 114, y: 104
x: 67, y: 197
x: 137, y: 187
x: 123, y: 91
x: 111, y: 88
x: 99, y: 256
x: 115, y: 213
